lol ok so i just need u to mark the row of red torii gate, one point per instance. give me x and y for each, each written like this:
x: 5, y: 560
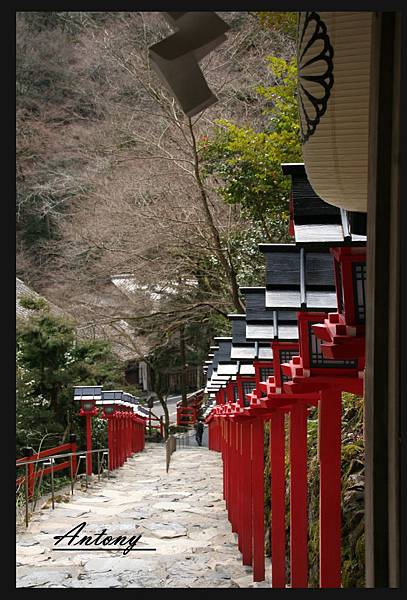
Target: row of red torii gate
x: 126, y: 424
x: 299, y: 345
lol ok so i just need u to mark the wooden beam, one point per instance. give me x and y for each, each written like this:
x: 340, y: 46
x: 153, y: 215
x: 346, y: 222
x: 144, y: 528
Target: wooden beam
x: 382, y: 344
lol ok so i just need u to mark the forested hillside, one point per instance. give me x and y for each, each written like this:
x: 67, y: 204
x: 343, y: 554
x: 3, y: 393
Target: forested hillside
x: 130, y: 215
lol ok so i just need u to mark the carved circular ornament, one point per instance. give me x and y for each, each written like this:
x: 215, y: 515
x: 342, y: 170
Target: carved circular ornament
x: 315, y: 71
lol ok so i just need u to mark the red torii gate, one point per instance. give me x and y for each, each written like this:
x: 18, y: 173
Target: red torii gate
x: 125, y: 427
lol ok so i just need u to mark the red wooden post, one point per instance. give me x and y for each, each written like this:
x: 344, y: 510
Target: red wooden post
x: 89, y: 444
x: 225, y: 449
x: 131, y: 434
x: 136, y: 435
x: 277, y: 468
x: 110, y: 442
x: 228, y: 469
x: 114, y: 423
x: 330, y: 408
x: 240, y: 483
x: 258, y: 499
x: 121, y: 440
x: 128, y: 436
x: 219, y: 434
x: 298, y: 496
x: 247, y: 548
x: 118, y: 439
x: 234, y: 478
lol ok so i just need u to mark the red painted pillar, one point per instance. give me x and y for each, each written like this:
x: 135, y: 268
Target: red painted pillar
x: 218, y: 437
x: 110, y: 442
x: 233, y: 477
x: 131, y: 441
x: 88, y: 444
x: 298, y: 496
x: 225, y: 461
x: 128, y: 436
x: 136, y: 435
x: 228, y: 467
x: 119, y: 440
x: 247, y: 549
x: 122, y: 439
x: 330, y: 409
x: 115, y: 449
x: 258, y: 499
x: 277, y: 468
x: 240, y: 485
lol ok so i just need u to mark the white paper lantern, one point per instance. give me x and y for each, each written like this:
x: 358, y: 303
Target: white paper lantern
x: 334, y: 83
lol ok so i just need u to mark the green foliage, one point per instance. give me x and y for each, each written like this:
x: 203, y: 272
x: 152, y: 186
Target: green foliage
x: 246, y: 163
x: 50, y: 361
x: 283, y: 22
x: 34, y: 303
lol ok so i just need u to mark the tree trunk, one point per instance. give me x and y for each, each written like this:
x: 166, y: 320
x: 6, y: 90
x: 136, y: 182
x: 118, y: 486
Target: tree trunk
x: 183, y: 367
x: 166, y: 415
x: 226, y: 264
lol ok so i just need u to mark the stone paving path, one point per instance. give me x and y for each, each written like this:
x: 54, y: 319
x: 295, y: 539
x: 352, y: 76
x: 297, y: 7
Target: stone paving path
x: 181, y: 514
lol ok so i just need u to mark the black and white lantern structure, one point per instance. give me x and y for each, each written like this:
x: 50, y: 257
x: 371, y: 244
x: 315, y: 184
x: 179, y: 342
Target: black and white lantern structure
x: 110, y: 401
x: 217, y: 381
x: 88, y: 396
x: 227, y: 368
x: 273, y: 331
x: 314, y: 223
x: 244, y: 353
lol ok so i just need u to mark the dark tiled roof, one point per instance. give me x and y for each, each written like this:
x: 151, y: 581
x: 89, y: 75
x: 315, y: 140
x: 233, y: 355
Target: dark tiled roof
x: 239, y: 330
x: 24, y: 290
x: 256, y: 304
x: 297, y: 278
x: 316, y: 221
